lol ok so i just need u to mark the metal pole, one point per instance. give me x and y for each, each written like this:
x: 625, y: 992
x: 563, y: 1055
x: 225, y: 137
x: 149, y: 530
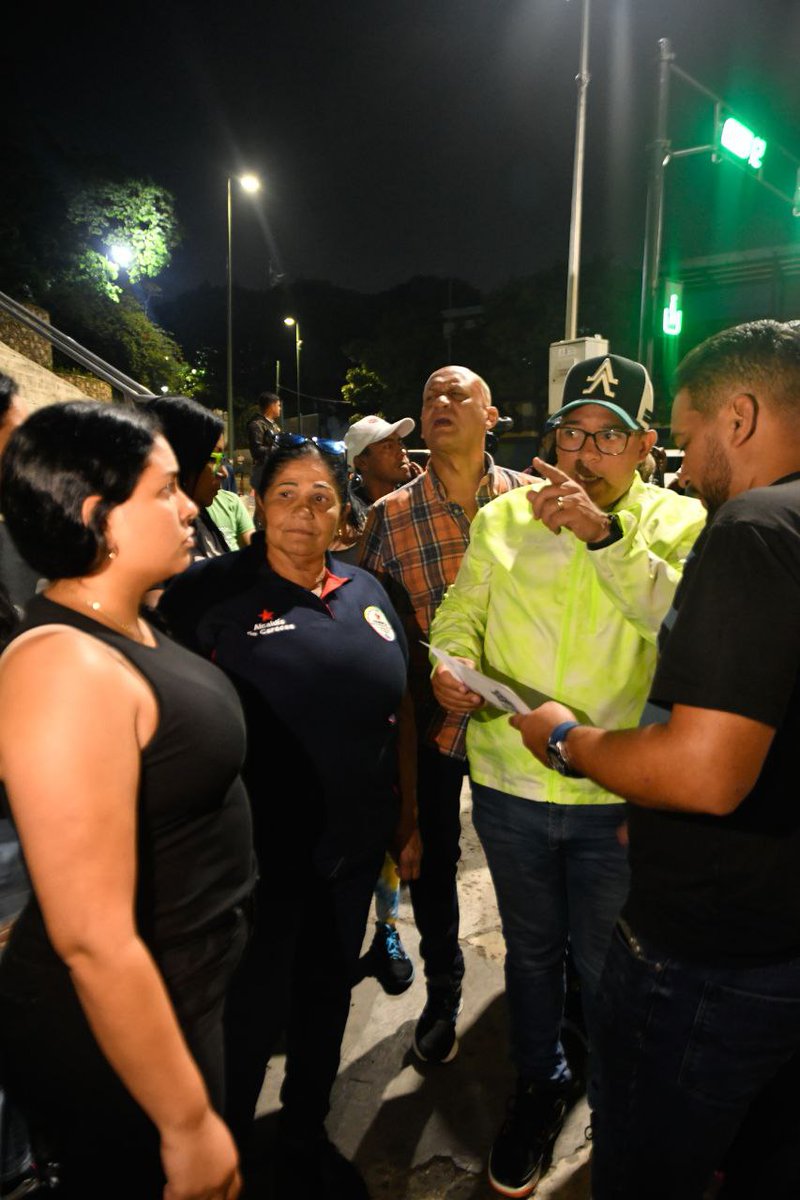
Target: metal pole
x: 231, y: 439
x: 651, y: 262
x: 297, y: 345
x: 277, y: 377
x: 574, y: 263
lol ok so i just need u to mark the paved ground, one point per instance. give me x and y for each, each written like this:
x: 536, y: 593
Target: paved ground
x: 423, y: 1132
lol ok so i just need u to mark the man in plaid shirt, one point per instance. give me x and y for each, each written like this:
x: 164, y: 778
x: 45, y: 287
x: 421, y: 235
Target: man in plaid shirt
x: 414, y: 541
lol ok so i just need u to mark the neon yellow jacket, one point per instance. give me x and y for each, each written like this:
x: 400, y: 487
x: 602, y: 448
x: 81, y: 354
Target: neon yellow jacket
x: 546, y: 615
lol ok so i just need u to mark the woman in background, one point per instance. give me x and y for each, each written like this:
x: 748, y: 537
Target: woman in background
x: 196, y: 436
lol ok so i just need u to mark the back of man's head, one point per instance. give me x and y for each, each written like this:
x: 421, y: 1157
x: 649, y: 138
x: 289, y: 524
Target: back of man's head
x: 762, y: 357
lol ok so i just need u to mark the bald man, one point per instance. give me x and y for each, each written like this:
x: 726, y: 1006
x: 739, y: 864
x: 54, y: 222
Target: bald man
x: 414, y: 541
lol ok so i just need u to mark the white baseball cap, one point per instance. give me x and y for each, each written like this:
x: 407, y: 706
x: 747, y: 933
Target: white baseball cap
x: 368, y: 430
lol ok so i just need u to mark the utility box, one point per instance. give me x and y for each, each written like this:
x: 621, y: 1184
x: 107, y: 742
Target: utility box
x: 563, y: 356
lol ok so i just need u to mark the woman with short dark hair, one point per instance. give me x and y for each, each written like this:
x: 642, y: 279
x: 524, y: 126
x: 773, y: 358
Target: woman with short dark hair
x: 120, y: 752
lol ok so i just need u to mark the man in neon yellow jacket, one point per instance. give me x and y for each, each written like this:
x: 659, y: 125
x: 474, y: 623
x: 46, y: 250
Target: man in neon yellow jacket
x: 561, y: 594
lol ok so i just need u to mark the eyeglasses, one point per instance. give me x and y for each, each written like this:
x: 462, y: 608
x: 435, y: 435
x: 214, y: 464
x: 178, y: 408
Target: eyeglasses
x: 285, y: 441
x: 607, y: 441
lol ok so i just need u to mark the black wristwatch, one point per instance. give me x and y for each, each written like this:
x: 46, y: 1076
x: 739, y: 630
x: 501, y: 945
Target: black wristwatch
x: 556, y: 754
x: 615, y: 534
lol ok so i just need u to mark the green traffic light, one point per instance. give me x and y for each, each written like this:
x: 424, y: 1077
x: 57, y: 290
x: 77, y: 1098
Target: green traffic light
x: 672, y: 319
x: 740, y: 141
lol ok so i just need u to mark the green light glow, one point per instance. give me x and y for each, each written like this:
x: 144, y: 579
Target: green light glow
x: 672, y: 321
x: 740, y: 141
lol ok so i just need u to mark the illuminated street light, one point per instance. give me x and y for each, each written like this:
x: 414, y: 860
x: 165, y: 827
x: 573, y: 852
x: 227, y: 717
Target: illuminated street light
x: 297, y: 344
x: 121, y: 254
x: 250, y: 184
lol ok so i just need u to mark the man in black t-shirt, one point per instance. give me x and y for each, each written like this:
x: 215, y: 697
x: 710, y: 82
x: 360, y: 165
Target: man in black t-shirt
x: 700, y: 998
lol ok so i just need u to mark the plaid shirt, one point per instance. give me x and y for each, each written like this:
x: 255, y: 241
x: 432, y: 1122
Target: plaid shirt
x: 413, y: 542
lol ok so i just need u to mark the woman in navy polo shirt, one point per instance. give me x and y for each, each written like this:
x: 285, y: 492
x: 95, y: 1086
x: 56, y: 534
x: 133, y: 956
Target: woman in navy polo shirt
x: 319, y: 658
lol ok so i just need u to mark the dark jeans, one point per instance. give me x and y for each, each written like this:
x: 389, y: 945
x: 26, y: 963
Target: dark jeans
x: 434, y: 897
x: 685, y: 1051
x: 66, y: 1088
x: 295, y: 980
x: 559, y: 873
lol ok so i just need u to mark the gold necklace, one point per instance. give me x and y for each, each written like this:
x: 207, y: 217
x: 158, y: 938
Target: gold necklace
x: 133, y: 631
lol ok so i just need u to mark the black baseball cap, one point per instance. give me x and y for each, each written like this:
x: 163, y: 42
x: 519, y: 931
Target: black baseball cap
x: 618, y: 384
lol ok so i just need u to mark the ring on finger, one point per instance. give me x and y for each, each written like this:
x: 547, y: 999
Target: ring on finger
x: 559, y: 502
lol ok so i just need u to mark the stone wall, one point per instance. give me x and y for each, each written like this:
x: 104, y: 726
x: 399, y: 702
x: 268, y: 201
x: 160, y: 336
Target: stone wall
x: 22, y: 339
x: 90, y: 385
x: 37, y: 385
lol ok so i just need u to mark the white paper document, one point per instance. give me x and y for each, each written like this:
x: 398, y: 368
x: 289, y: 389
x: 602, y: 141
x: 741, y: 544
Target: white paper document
x: 494, y: 693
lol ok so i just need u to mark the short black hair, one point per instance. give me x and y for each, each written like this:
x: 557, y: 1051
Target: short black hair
x: 266, y: 399
x: 191, y: 430
x: 336, y: 464
x: 759, y: 353
x: 8, y: 390
x: 53, y: 462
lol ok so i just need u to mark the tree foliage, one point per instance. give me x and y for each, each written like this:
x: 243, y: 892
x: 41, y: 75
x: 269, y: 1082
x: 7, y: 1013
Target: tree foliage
x: 363, y: 390
x: 135, y: 214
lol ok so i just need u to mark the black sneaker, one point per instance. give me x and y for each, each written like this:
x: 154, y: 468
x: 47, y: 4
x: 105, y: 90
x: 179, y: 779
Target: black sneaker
x: 435, y: 1036
x: 390, y: 964
x: 523, y: 1149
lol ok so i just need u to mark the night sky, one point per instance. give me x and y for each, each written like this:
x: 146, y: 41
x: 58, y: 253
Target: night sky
x: 402, y: 137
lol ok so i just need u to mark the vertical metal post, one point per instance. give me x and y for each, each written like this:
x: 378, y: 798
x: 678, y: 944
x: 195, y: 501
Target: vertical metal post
x: 574, y: 263
x: 651, y: 261
x: 297, y: 345
x: 231, y: 436
x: 277, y: 377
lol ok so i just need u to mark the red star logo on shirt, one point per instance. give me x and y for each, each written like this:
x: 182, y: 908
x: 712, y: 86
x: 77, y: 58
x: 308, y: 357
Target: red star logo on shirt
x: 267, y: 616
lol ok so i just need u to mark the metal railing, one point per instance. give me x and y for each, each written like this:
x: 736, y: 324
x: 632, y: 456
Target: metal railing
x: 74, y: 350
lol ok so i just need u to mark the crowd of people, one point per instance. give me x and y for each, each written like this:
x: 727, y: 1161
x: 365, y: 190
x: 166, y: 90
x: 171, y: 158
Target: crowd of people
x: 216, y: 729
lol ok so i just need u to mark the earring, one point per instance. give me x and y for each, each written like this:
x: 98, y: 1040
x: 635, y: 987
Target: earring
x: 112, y: 554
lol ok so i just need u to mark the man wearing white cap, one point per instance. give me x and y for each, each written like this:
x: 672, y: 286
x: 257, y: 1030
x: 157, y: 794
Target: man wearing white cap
x: 375, y: 451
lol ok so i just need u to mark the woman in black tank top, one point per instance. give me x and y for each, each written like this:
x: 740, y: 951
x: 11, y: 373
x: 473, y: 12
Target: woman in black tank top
x: 120, y: 752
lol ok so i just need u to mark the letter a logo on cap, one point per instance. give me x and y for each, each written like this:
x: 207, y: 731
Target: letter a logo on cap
x: 603, y: 377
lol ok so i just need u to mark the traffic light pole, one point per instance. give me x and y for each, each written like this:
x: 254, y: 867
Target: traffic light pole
x: 661, y: 154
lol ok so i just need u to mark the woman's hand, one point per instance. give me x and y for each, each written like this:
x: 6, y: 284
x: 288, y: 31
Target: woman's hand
x: 200, y: 1162
x: 407, y: 850
x: 537, y: 726
x: 451, y: 693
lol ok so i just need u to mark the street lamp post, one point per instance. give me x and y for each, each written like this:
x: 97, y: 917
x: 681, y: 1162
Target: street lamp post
x: 297, y: 344
x: 574, y: 265
x: 248, y: 183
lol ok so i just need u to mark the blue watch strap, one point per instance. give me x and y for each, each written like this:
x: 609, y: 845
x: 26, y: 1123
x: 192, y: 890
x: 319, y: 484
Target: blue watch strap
x: 561, y: 731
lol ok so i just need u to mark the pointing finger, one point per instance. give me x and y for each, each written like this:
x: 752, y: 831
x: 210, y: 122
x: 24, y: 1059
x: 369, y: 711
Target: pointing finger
x: 552, y: 473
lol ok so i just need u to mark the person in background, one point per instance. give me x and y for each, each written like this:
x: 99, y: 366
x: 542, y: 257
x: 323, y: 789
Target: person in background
x: 17, y: 585
x: 413, y: 543
x: 261, y: 433
x: 229, y: 513
x: 196, y: 436
x: 377, y: 455
x: 308, y: 642
x: 135, y: 823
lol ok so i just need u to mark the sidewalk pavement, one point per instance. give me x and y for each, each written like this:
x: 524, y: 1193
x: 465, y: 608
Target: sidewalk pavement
x: 423, y: 1132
